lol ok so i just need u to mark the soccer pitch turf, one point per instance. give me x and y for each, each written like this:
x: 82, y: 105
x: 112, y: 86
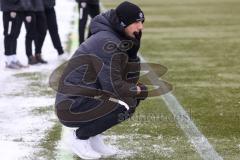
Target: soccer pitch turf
x: 198, y: 41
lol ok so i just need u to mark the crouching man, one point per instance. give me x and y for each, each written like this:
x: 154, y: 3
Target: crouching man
x: 99, y: 86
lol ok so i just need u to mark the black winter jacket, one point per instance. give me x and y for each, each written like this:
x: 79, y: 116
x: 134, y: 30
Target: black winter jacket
x: 110, y: 77
x: 21, y: 5
x: 49, y: 3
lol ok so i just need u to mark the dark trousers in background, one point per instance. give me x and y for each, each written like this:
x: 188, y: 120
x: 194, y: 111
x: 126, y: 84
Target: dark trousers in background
x: 53, y: 29
x: 84, y: 11
x: 41, y: 31
x: 12, y: 27
x: 30, y: 31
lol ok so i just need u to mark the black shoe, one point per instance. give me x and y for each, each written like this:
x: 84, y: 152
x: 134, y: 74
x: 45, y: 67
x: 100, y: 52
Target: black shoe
x: 60, y: 52
x: 39, y: 59
x: 32, y: 60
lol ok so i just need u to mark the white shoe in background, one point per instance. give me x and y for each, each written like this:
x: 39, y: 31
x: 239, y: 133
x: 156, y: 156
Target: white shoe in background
x: 98, y: 145
x: 18, y: 63
x: 82, y: 147
x: 12, y: 65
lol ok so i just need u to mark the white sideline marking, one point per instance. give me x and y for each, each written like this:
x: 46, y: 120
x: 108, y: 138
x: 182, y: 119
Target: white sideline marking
x: 200, y: 142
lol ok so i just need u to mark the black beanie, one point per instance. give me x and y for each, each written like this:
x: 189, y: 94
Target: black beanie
x: 129, y: 13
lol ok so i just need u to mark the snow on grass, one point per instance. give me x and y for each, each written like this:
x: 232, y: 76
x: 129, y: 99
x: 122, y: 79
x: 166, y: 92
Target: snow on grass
x: 163, y: 150
x: 19, y: 127
x: 138, y: 145
x: 25, y: 94
x: 7, y: 149
x: 128, y: 146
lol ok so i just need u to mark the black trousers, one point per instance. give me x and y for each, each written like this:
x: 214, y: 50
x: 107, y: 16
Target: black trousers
x: 95, y: 127
x: 84, y: 11
x: 31, y: 31
x: 12, y: 27
x: 41, y: 30
x: 11, y: 32
x: 52, y: 27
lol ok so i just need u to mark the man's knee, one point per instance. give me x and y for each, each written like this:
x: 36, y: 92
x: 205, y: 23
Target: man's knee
x: 125, y: 115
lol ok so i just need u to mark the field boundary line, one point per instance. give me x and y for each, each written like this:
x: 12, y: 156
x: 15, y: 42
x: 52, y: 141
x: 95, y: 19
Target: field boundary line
x: 199, y: 141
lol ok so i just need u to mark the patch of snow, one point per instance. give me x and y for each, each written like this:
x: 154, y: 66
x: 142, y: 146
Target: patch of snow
x: 11, y: 150
x: 164, y: 151
x: 21, y: 129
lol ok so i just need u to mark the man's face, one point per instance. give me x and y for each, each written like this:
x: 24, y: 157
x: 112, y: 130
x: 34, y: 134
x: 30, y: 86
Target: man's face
x: 134, y: 27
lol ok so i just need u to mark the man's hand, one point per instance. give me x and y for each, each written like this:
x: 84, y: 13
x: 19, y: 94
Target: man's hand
x: 142, y: 91
x: 138, y: 35
x: 29, y: 19
x: 138, y: 90
x: 13, y: 14
x: 132, y: 53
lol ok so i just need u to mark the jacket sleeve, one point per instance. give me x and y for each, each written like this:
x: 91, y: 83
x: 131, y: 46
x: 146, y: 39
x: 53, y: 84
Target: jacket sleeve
x: 132, y: 70
x: 121, y: 87
x: 111, y: 77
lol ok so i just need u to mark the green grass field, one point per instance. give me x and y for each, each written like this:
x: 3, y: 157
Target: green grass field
x: 198, y: 41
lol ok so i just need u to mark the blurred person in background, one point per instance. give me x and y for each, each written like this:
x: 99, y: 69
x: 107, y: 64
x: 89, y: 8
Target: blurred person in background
x: 39, y: 29
x: 52, y: 26
x: 86, y: 8
x: 14, y: 13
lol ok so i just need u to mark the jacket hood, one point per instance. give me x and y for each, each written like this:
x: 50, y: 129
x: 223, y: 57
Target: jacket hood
x: 107, y: 21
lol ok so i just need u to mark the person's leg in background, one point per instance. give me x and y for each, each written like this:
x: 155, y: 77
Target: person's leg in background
x: 83, y: 17
x: 30, y: 25
x: 52, y: 27
x: 12, y: 22
x: 93, y: 10
x: 41, y: 31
